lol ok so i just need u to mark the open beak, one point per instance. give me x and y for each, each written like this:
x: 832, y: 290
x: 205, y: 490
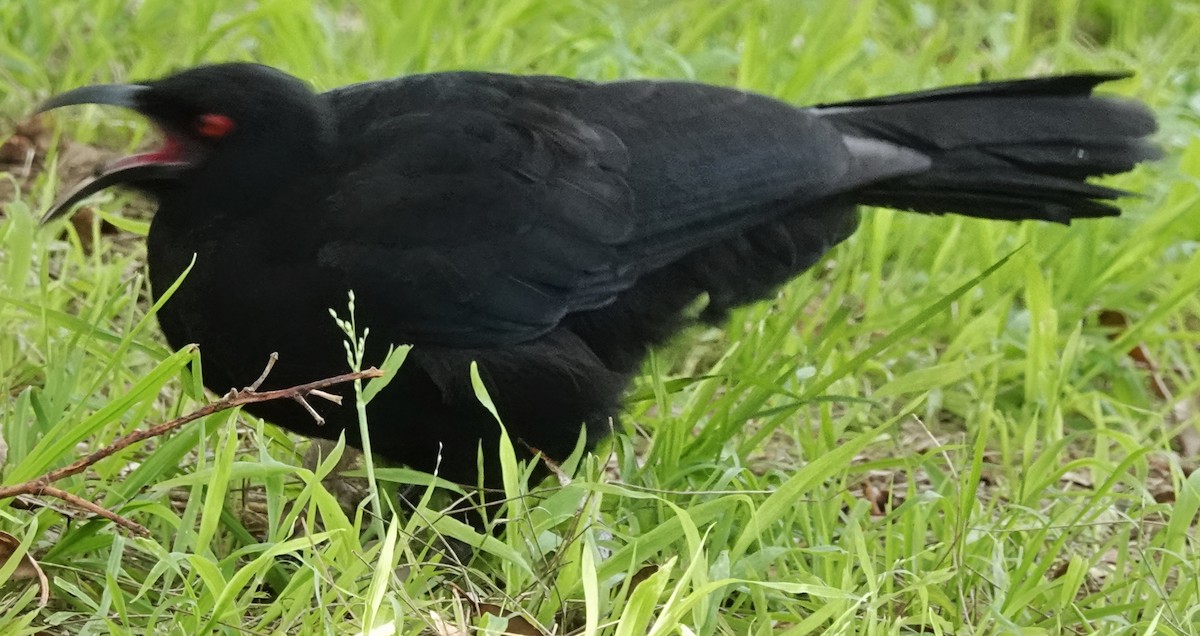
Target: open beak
x: 164, y: 163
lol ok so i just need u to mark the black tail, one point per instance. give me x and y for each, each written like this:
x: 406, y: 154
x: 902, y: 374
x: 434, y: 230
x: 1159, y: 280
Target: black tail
x: 1004, y: 150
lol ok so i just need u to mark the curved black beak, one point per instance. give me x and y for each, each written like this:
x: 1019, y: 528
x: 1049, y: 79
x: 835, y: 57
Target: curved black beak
x: 110, y: 177
x: 125, y: 95
x: 111, y: 94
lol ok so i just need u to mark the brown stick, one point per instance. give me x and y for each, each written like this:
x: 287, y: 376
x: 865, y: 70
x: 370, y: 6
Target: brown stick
x: 94, y: 508
x: 234, y: 398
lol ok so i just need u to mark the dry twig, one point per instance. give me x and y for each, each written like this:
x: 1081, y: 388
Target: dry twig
x: 40, y: 486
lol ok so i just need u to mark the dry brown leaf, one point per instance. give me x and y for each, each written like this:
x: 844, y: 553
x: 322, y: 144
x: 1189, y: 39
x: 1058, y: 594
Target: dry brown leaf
x: 23, y: 155
x: 641, y: 575
x: 82, y: 221
x: 1118, y: 322
x: 28, y: 568
x: 1058, y: 570
x: 1160, y: 481
x: 518, y: 625
x: 1165, y: 497
x: 18, y: 152
x: 1187, y: 440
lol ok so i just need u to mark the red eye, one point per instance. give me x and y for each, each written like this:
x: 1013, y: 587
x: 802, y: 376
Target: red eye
x: 214, y: 126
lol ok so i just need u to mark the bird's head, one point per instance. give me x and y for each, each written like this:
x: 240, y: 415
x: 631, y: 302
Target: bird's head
x: 236, y: 119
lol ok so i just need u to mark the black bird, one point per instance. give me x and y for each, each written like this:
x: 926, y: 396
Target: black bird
x: 553, y: 230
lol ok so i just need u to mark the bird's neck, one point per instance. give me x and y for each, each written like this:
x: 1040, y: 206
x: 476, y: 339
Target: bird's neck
x: 261, y: 179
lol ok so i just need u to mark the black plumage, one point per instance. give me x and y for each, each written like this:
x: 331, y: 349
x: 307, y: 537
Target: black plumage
x: 552, y: 230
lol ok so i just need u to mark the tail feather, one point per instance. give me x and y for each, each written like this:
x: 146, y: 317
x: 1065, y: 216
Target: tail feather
x: 1070, y: 85
x: 1070, y: 160
x: 1004, y: 150
x: 1046, y: 205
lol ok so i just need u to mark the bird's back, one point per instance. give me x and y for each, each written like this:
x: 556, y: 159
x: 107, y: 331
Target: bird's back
x: 494, y: 206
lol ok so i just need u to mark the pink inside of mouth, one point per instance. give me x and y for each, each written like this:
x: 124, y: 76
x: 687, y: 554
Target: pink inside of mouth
x: 172, y: 152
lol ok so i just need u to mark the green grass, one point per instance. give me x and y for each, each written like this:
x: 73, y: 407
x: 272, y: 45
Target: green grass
x: 1033, y: 483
